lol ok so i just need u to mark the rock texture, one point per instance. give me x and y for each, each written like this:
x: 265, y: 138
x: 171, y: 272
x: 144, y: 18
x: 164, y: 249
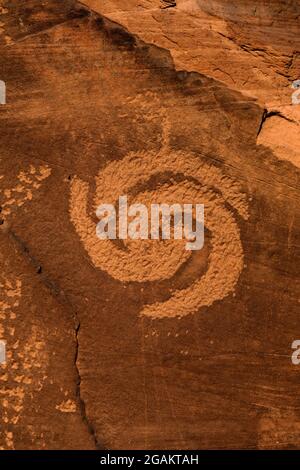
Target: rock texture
x: 141, y: 346
x: 251, y: 46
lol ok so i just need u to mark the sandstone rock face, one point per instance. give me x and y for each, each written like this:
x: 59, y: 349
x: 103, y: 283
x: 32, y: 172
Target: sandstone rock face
x: 250, y: 46
x: 143, y: 346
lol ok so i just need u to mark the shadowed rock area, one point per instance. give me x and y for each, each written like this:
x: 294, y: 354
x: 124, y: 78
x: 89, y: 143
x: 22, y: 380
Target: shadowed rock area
x: 143, y: 346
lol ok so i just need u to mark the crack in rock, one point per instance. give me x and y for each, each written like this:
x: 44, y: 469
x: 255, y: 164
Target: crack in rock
x: 61, y: 297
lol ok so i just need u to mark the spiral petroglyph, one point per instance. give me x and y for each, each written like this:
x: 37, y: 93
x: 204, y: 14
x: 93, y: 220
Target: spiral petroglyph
x: 190, y: 180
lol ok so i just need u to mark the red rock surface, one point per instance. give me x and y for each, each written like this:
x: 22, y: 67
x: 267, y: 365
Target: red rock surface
x: 195, y: 99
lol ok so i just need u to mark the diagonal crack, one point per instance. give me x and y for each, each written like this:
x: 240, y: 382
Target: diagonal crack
x: 62, y: 299
x: 268, y: 114
x: 81, y: 402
